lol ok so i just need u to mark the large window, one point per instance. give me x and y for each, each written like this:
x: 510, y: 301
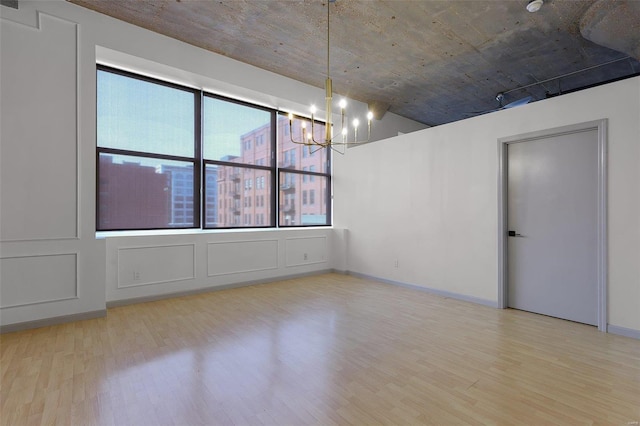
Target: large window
x: 238, y: 150
x: 175, y: 157
x: 147, y: 138
x: 302, y: 170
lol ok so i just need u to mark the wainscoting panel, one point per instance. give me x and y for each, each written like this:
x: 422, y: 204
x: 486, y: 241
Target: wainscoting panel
x: 31, y: 280
x: 39, y: 92
x: 241, y: 256
x: 305, y: 250
x: 138, y: 266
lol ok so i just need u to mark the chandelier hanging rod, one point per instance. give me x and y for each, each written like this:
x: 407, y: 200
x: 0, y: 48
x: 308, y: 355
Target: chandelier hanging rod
x: 329, y: 141
x: 328, y: 37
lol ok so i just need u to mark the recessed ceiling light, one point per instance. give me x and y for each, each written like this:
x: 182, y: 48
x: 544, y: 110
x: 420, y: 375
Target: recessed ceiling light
x: 535, y: 5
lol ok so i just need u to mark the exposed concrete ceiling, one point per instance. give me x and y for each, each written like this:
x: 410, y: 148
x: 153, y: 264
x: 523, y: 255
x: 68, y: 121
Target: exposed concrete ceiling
x: 431, y: 61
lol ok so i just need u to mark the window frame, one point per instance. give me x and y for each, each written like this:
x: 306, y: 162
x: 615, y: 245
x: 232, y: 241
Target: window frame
x: 197, y: 172
x: 252, y: 186
x: 200, y: 163
x: 306, y: 174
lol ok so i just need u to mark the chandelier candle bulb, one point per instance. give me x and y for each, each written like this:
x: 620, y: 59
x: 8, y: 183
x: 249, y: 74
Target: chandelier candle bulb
x: 291, y: 124
x: 342, y: 104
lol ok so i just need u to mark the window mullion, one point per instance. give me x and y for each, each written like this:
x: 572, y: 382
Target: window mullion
x: 199, y: 212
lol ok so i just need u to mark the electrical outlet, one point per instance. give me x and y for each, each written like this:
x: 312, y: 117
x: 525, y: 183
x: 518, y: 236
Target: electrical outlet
x: 395, y: 264
x: 306, y: 257
x: 136, y: 275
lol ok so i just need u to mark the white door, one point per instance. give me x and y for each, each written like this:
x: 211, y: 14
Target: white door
x: 552, y: 196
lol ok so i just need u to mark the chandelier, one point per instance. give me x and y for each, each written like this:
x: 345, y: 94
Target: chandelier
x: 330, y: 140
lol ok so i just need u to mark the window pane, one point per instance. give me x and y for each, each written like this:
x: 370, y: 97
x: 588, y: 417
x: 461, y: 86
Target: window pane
x: 315, y: 211
x: 144, y: 193
x: 290, y: 202
x: 138, y: 115
x: 238, y: 133
x: 212, y: 198
x: 296, y: 156
x: 296, y: 209
x: 240, y: 197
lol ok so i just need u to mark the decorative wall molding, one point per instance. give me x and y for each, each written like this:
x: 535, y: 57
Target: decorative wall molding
x: 155, y: 264
x: 236, y: 257
x: 33, y: 270
x: 301, y: 251
x: 45, y: 28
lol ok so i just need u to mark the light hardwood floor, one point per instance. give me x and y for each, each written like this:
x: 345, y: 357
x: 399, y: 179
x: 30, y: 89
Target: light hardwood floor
x: 327, y: 350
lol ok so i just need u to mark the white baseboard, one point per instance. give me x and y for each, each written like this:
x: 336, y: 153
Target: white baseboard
x: 152, y: 298
x: 46, y: 322
x: 613, y: 329
x: 623, y: 331
x: 443, y: 293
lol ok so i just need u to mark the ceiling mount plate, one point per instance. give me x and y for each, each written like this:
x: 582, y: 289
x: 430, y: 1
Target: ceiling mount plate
x: 534, y: 5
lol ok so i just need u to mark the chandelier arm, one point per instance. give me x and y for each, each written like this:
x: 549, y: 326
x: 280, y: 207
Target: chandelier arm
x: 291, y: 134
x: 315, y: 150
x: 307, y: 140
x: 328, y: 142
x: 335, y: 149
x: 313, y: 133
x: 355, y: 141
x: 320, y: 143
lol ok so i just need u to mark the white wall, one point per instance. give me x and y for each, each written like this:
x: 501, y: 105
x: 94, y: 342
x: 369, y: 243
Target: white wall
x: 429, y: 199
x: 51, y: 263
x: 391, y: 125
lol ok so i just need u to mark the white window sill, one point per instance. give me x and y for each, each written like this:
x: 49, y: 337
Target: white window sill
x: 159, y: 232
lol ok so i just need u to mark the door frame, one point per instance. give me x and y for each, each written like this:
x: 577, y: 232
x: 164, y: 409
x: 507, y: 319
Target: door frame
x: 602, y: 234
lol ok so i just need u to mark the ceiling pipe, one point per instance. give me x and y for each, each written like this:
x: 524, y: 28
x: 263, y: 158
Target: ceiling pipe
x: 559, y: 77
